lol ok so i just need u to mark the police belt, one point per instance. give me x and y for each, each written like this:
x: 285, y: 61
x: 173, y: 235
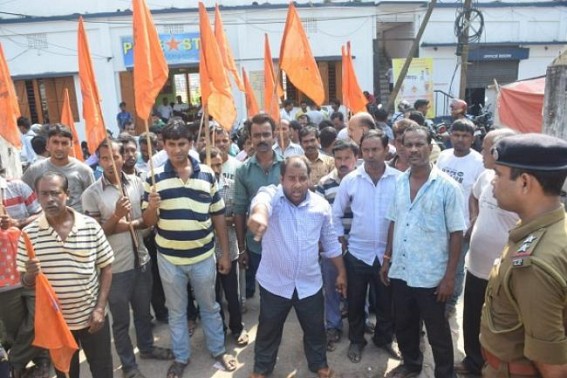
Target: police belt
x: 514, y: 368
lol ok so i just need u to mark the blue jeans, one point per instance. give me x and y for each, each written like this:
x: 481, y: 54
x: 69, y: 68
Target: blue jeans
x: 202, y: 276
x: 459, y: 277
x: 333, y: 319
x: 131, y: 288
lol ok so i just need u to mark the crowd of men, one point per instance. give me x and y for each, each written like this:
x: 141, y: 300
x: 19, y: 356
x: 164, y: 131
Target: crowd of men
x: 339, y: 218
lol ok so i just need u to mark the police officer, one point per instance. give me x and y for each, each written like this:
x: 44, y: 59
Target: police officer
x: 524, y: 316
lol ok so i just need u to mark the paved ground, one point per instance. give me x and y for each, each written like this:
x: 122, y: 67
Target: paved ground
x: 291, y: 360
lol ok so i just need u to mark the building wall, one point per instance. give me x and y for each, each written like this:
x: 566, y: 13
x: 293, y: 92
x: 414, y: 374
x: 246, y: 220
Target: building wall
x: 505, y: 24
x: 330, y: 26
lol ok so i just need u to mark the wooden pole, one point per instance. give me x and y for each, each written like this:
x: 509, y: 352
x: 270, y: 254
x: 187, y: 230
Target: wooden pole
x: 464, y: 41
x: 275, y: 97
x: 410, y: 56
x: 207, y: 136
x: 150, y: 153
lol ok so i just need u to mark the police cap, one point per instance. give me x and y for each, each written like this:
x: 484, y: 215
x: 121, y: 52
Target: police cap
x: 536, y: 152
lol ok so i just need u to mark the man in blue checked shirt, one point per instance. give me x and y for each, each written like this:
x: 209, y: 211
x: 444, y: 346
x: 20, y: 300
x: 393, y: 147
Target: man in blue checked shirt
x: 291, y: 222
x: 424, y: 242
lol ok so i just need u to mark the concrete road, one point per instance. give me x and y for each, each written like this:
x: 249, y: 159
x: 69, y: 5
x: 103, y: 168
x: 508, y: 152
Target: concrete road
x: 291, y: 359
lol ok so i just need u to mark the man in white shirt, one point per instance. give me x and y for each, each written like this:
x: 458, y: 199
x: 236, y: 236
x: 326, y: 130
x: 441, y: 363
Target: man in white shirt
x: 287, y: 111
x: 464, y: 165
x: 283, y: 145
x: 490, y: 226
x: 165, y: 110
x: 368, y: 191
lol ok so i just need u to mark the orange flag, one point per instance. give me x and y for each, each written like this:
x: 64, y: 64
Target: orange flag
x: 9, y: 109
x: 217, y: 97
x: 297, y: 61
x: 51, y: 330
x: 67, y: 120
x: 92, y: 113
x: 150, y: 67
x: 251, y: 103
x: 226, y: 52
x: 353, y: 98
x: 271, y: 103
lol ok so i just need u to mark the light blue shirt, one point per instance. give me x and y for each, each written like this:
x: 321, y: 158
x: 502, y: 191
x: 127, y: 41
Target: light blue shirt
x: 422, y: 227
x: 290, y: 246
x: 369, y: 204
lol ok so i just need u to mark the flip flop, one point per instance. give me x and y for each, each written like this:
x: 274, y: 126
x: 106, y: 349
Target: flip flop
x: 228, y: 362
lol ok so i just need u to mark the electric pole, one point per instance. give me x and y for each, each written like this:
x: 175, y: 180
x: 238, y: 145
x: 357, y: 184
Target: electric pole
x: 464, y: 46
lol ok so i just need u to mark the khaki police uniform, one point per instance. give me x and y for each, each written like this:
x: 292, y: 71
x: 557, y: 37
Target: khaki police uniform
x: 524, y: 316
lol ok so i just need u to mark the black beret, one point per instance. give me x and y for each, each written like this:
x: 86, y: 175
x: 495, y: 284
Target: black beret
x: 537, y: 152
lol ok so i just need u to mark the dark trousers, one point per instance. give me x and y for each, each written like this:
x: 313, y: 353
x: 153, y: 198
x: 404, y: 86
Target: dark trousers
x: 97, y: 350
x: 253, y: 264
x: 410, y: 305
x: 273, y: 313
x: 17, y: 311
x: 359, y: 277
x: 228, y: 283
x: 158, y: 297
x: 131, y: 289
x: 475, y: 289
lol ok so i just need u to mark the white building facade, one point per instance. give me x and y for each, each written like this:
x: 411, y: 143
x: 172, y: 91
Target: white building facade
x: 519, y: 40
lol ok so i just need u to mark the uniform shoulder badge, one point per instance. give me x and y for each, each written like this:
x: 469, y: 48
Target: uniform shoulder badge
x: 521, y: 257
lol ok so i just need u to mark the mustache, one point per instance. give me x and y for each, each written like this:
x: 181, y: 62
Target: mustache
x: 263, y: 144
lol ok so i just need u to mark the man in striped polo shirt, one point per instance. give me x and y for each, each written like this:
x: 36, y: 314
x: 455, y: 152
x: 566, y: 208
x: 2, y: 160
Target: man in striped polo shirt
x: 345, y: 154
x: 73, y: 253
x: 183, y: 201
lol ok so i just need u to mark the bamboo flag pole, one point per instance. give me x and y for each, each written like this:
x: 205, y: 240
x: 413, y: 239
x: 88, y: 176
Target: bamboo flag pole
x: 150, y: 153
x: 207, y: 136
x: 276, y: 98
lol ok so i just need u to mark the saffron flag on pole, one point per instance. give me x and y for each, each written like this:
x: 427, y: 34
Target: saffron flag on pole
x: 217, y: 97
x: 271, y: 95
x: 92, y: 113
x: 297, y: 61
x: 51, y: 330
x: 150, y: 67
x: 251, y: 104
x: 9, y: 109
x: 353, y: 98
x: 226, y: 52
x: 68, y: 120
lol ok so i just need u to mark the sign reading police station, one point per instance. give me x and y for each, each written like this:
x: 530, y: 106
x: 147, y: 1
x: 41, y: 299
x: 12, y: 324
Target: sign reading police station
x: 177, y: 48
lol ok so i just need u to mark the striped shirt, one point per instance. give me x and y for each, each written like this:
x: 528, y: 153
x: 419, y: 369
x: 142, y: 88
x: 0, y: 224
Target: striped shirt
x: 20, y: 202
x: 18, y: 199
x: 185, y: 228
x: 71, y: 265
x: 226, y: 191
x: 290, y: 246
x: 328, y: 188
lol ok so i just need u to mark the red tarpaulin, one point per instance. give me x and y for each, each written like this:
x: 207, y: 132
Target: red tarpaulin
x: 520, y: 105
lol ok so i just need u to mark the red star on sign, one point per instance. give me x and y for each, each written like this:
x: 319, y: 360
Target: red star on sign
x: 173, y: 44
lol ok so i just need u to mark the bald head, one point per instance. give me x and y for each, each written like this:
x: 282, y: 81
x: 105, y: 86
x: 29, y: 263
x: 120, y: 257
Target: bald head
x: 489, y: 141
x: 359, y: 124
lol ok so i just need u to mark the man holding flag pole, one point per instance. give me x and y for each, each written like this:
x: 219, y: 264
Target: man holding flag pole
x: 75, y: 257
